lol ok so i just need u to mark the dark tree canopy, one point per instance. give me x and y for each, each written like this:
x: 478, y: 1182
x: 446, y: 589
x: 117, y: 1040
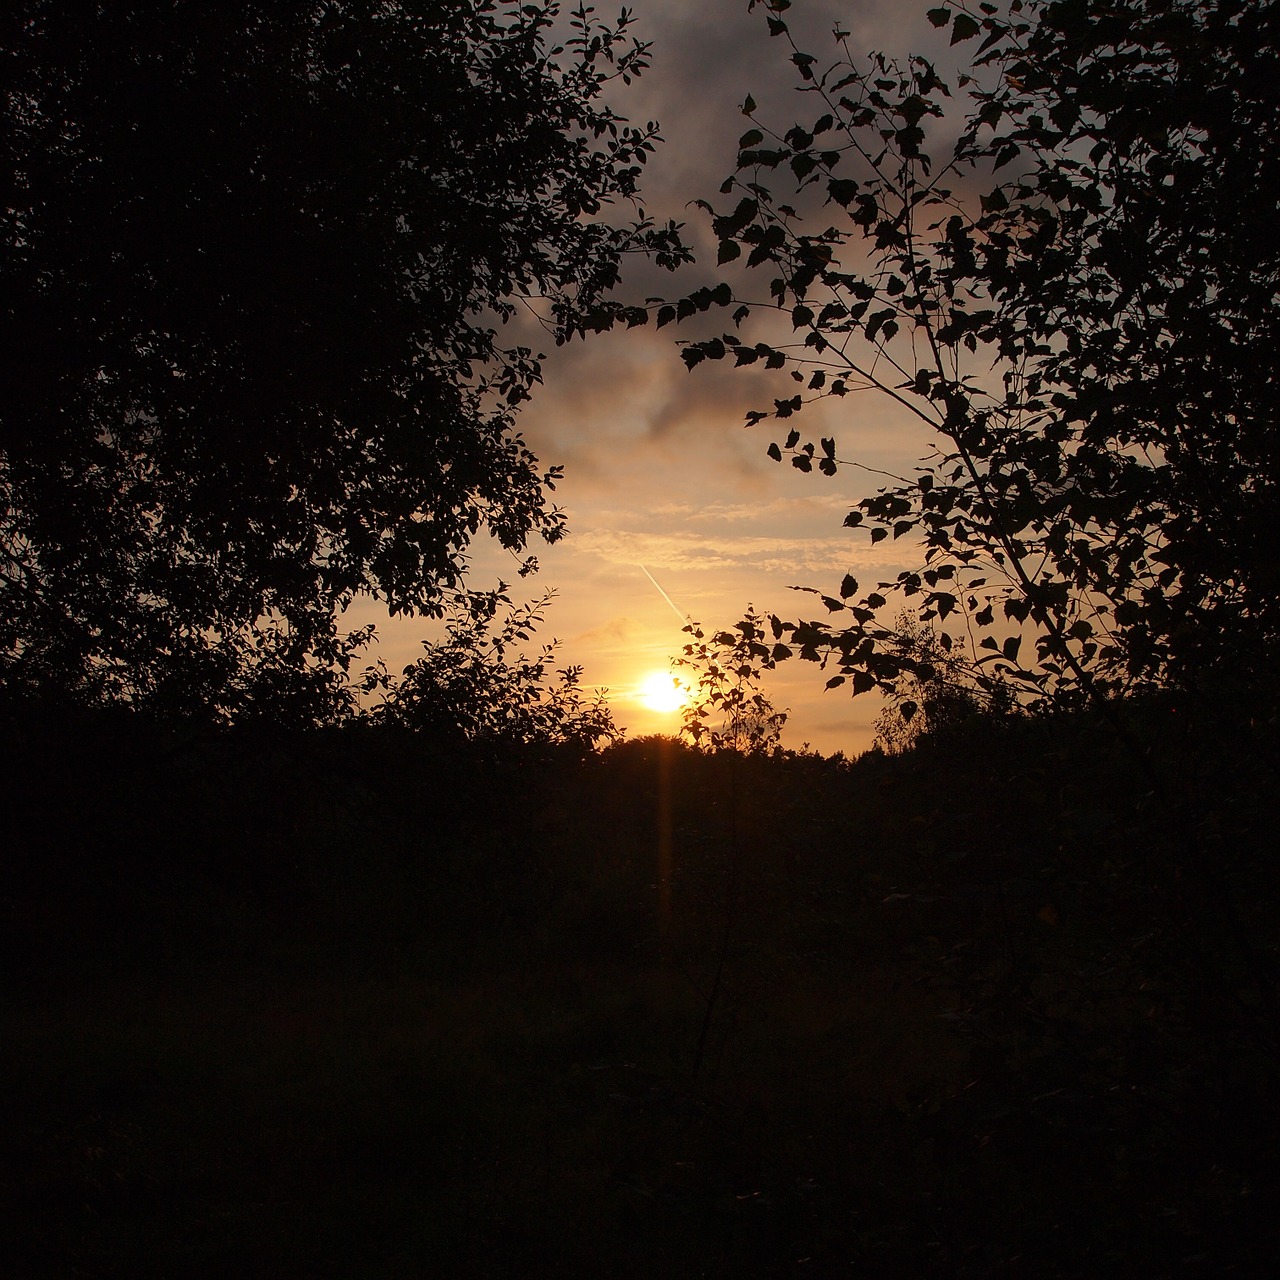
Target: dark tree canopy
x: 1068, y: 272
x: 254, y: 262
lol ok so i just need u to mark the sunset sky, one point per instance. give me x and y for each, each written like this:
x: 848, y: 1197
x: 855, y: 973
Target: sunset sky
x: 660, y: 472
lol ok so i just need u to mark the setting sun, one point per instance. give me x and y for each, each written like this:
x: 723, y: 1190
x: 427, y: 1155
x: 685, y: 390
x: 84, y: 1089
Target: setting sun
x: 661, y: 691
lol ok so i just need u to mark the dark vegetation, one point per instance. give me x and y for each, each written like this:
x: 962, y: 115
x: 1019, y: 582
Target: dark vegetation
x: 361, y: 1002
x: 260, y: 271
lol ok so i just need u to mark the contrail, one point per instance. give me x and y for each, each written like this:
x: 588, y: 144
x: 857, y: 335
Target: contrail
x: 664, y: 595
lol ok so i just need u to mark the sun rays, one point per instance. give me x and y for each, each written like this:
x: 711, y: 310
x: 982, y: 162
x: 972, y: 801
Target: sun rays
x: 660, y: 691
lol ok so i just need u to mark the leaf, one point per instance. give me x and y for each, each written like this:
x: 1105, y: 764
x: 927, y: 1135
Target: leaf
x: 803, y: 164
x: 843, y: 191
x: 994, y: 200
x: 963, y: 27
x: 878, y: 319
x: 939, y: 17
x: 1006, y: 153
x: 863, y: 682
x: 732, y: 224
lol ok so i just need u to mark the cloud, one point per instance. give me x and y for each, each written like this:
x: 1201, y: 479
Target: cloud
x: 616, y: 634
x: 787, y: 557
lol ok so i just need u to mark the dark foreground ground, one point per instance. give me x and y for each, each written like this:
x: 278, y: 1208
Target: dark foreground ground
x: 348, y: 1005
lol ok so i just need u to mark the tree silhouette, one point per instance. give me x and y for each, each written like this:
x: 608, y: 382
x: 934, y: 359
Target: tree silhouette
x: 932, y: 694
x: 1068, y: 275
x: 255, y: 261
x: 478, y: 682
x: 728, y: 709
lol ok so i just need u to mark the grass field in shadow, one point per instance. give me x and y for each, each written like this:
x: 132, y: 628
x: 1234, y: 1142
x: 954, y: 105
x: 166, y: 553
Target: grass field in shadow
x: 356, y: 1005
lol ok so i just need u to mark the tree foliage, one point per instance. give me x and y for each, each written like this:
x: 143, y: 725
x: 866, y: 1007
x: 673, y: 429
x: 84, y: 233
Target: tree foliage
x: 255, y: 263
x: 933, y: 693
x: 1068, y: 274
x: 728, y: 709
x: 478, y: 682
